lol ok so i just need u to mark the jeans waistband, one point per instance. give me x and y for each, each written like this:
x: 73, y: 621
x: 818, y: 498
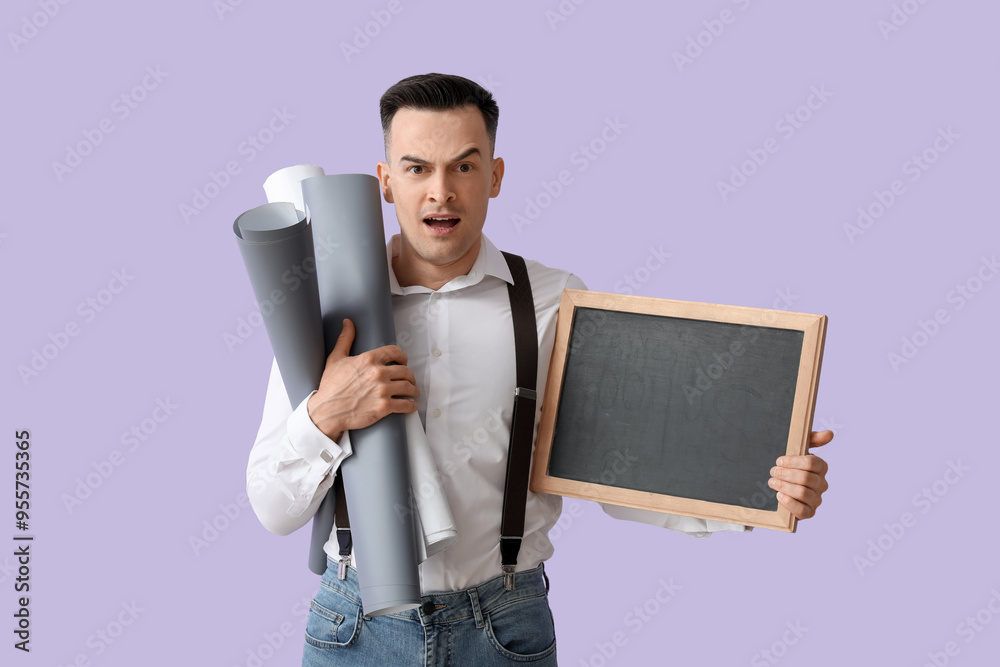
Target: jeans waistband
x: 452, y: 606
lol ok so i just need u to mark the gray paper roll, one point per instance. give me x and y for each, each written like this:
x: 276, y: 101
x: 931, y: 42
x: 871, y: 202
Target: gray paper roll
x: 346, y: 215
x: 274, y: 239
x: 276, y: 242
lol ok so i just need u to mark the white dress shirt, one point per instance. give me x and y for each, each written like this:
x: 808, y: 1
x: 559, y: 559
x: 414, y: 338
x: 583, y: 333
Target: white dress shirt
x: 459, y: 342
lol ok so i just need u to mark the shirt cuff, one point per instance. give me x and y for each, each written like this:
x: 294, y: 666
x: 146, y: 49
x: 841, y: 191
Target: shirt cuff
x: 319, y: 451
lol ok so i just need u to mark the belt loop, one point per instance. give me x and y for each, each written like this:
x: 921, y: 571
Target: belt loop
x: 474, y: 596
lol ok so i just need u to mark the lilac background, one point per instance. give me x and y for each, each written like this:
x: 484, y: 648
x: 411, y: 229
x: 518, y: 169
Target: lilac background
x: 898, y: 431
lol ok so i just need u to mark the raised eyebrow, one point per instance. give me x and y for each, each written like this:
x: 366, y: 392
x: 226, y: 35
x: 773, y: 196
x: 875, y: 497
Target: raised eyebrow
x: 472, y: 151
x: 416, y: 160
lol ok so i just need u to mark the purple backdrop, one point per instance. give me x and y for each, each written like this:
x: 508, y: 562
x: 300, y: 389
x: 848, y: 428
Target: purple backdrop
x: 834, y: 159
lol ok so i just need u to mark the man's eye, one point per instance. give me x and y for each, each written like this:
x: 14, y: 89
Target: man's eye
x: 465, y: 167
x: 416, y: 169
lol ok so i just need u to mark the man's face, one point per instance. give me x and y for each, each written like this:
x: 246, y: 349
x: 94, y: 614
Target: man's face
x: 440, y: 177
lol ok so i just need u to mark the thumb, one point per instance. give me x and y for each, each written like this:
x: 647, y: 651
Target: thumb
x: 344, y: 341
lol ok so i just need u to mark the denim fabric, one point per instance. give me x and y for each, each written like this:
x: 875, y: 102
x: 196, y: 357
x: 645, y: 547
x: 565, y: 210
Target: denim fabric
x: 483, y: 626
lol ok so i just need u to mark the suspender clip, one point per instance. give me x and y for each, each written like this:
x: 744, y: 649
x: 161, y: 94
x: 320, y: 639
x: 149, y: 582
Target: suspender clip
x: 508, y: 576
x: 344, y: 539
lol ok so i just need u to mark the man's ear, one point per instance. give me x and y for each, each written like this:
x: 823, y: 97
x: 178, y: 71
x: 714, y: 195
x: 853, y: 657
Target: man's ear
x: 497, y: 177
x: 383, y: 179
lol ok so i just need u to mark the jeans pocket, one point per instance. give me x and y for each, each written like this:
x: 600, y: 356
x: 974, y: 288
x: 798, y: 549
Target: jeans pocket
x: 334, y: 620
x: 522, y: 630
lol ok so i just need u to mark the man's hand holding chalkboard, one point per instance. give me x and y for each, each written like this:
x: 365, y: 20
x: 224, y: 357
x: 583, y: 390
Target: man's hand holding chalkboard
x: 801, y: 480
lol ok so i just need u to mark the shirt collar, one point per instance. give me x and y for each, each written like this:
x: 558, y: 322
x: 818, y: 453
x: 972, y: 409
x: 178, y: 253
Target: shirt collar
x: 489, y: 262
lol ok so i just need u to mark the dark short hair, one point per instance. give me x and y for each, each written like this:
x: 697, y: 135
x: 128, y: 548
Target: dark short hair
x: 438, y: 92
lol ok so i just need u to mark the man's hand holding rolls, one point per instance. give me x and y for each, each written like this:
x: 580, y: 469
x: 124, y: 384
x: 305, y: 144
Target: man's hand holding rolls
x: 355, y: 392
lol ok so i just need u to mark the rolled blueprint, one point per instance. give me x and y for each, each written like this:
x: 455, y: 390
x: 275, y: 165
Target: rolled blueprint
x: 274, y: 239
x: 353, y: 275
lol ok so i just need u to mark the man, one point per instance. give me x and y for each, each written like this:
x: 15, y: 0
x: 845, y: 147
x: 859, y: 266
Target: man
x: 455, y: 365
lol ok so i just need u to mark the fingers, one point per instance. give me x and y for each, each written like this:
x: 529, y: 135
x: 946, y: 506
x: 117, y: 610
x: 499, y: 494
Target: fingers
x: 800, y: 482
x: 820, y: 438
x: 809, y: 462
x: 342, y: 348
x: 800, y: 508
x: 402, y: 389
x: 800, y: 477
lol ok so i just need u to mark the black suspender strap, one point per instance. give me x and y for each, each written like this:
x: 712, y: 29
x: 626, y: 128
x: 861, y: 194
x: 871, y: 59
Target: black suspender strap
x: 343, y: 526
x: 522, y: 432
x: 522, y: 429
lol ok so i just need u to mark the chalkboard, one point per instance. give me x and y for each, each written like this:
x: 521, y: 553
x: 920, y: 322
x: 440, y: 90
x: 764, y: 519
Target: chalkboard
x: 677, y: 406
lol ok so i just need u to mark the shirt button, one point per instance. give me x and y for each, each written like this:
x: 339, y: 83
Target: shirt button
x: 436, y: 352
x: 437, y: 412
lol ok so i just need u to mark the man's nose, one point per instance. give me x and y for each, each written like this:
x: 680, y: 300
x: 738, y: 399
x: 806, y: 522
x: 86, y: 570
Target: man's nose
x: 440, y: 188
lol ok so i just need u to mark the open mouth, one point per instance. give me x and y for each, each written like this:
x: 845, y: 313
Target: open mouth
x: 441, y: 223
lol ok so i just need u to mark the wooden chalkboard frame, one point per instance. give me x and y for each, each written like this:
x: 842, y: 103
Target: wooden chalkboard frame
x: 813, y: 328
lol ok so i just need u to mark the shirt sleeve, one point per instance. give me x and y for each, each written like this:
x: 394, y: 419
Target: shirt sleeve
x: 290, y: 466
x: 683, y: 524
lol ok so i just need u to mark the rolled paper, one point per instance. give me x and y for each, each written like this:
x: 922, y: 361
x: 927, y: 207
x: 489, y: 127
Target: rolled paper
x: 436, y: 524
x: 286, y: 184
x: 273, y: 239
x: 353, y: 276
x: 435, y: 521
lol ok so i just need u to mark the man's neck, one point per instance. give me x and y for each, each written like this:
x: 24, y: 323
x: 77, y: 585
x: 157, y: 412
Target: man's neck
x: 411, y: 270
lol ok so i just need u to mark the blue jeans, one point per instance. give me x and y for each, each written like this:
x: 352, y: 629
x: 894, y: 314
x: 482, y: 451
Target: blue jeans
x: 484, y: 626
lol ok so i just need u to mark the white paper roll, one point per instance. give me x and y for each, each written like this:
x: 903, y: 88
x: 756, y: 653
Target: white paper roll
x: 286, y: 184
